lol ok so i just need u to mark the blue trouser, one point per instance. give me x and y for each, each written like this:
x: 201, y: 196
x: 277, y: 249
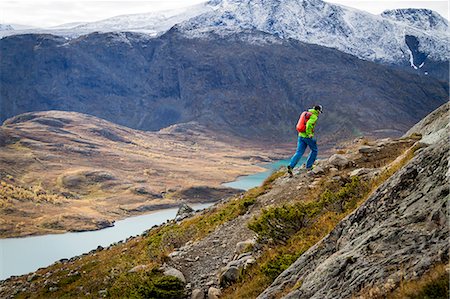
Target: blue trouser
x: 301, y: 147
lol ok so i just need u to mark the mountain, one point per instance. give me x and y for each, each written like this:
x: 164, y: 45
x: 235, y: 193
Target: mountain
x: 413, y: 39
x: 251, y: 84
x: 423, y: 19
x: 6, y: 27
x: 369, y: 221
x: 369, y: 37
x: 97, y: 172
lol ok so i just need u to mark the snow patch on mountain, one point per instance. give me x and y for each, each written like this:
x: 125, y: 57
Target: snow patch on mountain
x: 6, y: 27
x: 423, y: 19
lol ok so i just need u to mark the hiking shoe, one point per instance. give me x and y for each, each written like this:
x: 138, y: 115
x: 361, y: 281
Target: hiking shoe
x: 289, y: 170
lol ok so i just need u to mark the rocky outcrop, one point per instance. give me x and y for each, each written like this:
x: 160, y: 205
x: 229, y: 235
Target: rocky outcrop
x: 399, y: 233
x: 184, y: 211
x: 434, y: 127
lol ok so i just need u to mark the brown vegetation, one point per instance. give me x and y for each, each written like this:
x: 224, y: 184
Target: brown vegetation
x: 80, y: 167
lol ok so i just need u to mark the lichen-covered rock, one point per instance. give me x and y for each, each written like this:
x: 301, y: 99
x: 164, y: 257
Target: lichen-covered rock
x: 229, y: 275
x: 184, y: 211
x: 398, y: 234
x: 338, y: 161
x: 434, y: 127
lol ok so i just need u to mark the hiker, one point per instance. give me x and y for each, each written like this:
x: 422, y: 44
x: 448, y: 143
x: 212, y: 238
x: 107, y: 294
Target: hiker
x: 305, y: 127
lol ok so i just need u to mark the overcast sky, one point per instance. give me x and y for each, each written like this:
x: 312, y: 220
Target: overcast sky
x: 43, y: 13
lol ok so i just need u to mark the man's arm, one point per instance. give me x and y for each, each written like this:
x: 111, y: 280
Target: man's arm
x: 310, y: 125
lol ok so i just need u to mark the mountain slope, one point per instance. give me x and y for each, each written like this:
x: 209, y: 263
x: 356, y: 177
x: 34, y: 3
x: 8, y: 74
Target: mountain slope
x: 251, y: 84
x: 216, y: 249
x: 400, y: 233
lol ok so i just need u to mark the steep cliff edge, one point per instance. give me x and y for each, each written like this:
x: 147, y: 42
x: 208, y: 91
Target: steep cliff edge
x: 398, y: 234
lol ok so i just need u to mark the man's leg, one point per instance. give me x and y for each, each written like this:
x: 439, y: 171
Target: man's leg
x: 301, y: 147
x: 313, y: 154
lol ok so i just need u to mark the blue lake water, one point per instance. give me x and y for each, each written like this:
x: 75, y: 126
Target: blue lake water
x: 23, y: 255
x: 254, y: 180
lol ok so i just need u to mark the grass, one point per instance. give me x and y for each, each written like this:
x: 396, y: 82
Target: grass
x: 35, y: 193
x: 432, y: 285
x: 106, y: 272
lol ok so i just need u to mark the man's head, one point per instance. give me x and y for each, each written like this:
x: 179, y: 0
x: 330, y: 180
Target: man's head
x: 318, y: 108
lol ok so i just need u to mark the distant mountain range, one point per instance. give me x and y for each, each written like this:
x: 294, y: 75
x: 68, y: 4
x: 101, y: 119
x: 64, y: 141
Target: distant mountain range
x: 416, y: 38
x: 251, y: 83
x: 245, y: 67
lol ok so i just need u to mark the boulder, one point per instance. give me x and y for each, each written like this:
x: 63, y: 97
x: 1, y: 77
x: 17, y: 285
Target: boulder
x: 242, y: 246
x: 368, y: 149
x: 338, y: 161
x: 198, y: 294
x: 318, y: 170
x: 214, y: 293
x: 359, y: 172
x: 184, y: 211
x: 229, y: 275
x: 169, y: 271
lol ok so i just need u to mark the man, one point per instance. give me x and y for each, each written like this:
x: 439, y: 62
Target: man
x: 305, y: 139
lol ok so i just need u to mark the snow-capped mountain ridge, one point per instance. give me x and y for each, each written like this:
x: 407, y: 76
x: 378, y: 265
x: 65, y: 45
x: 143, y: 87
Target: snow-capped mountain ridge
x: 370, y: 37
x: 380, y: 38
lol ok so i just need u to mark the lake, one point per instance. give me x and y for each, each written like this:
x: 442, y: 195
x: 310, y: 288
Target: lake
x: 254, y: 180
x: 20, y: 256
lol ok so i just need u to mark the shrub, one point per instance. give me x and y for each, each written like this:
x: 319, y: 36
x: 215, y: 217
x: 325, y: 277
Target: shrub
x: 280, y: 223
x: 147, y: 285
x: 274, y: 267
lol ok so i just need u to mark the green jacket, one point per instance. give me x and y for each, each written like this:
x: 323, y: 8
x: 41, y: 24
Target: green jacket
x: 310, y: 124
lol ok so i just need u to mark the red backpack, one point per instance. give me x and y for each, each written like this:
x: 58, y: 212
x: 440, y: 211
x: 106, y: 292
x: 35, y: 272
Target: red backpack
x: 301, y: 124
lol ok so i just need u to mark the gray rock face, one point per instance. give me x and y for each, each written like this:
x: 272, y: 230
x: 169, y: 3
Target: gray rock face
x: 150, y: 84
x: 400, y: 232
x: 434, y: 127
x: 198, y: 294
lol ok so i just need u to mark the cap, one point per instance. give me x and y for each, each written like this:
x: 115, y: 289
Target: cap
x: 318, y: 108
